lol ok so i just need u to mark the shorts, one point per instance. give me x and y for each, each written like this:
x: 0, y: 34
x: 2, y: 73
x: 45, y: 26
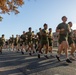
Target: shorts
x: 70, y: 41
x: 50, y: 43
x: 15, y: 44
x: 75, y: 41
x: 62, y: 38
x: 29, y: 42
x: 1, y: 44
x: 44, y: 42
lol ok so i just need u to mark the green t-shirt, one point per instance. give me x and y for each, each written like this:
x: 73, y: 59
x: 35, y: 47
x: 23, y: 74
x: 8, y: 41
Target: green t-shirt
x: 39, y: 35
x: 65, y: 27
x: 29, y: 35
x: 23, y: 37
x: 1, y: 41
x: 12, y: 39
x: 44, y: 37
x: 16, y: 40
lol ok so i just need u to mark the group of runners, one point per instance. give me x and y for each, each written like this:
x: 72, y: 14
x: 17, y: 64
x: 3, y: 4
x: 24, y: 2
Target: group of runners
x: 42, y: 42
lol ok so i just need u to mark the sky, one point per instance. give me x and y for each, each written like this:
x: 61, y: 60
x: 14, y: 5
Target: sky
x: 34, y: 13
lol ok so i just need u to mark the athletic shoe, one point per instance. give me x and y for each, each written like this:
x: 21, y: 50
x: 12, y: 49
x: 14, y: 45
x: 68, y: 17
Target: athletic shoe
x: 57, y: 58
x: 46, y: 56
x: 30, y: 54
x: 38, y: 55
x: 72, y: 58
x: 68, y: 61
x: 22, y: 52
x: 52, y: 56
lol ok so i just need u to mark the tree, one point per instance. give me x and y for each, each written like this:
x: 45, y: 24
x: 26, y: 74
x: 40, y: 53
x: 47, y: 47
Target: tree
x: 7, y: 6
x: 1, y: 18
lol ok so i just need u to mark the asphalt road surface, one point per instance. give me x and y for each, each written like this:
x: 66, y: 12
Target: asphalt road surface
x: 13, y: 63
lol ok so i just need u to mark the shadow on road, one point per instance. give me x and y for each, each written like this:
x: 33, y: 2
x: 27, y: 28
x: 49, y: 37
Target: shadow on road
x: 15, y: 64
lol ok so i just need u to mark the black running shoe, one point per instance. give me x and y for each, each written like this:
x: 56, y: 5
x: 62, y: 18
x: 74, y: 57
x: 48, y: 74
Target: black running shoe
x: 36, y: 50
x: 57, y: 58
x: 22, y: 52
x: 1, y: 52
x: 38, y: 55
x: 68, y: 61
x: 30, y: 54
x: 52, y: 56
x: 26, y: 50
x: 18, y: 50
x: 33, y: 51
x: 41, y: 52
x: 46, y: 56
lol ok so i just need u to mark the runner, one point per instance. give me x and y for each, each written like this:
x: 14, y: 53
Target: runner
x: 63, y: 29
x: 16, y: 43
x: 71, y: 42
x: 29, y: 40
x: 74, y: 38
x: 12, y: 42
x: 33, y: 41
x: 2, y: 43
x: 44, y: 41
x: 23, y: 42
x: 39, y: 40
x: 7, y: 44
x: 50, y: 39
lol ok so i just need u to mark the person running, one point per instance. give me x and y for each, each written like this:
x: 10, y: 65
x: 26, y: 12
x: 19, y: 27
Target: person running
x: 44, y: 40
x: 50, y: 39
x: 16, y: 42
x: 23, y: 42
x: 19, y: 42
x: 7, y: 44
x: 39, y: 39
x: 12, y: 42
x: 33, y: 41
x: 2, y: 42
x: 36, y: 43
x: 74, y: 38
x: 71, y: 42
x: 63, y: 29
x: 29, y: 40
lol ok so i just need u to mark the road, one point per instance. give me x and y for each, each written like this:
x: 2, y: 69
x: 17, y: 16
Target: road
x: 13, y: 63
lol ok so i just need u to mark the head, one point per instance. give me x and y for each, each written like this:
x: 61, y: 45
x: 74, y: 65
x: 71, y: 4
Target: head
x: 2, y: 35
x: 70, y: 24
x: 32, y: 31
x: 23, y: 32
x: 12, y: 35
x: 50, y: 29
x: 64, y: 19
x: 16, y: 35
x: 45, y: 26
x: 29, y: 29
x: 40, y: 29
